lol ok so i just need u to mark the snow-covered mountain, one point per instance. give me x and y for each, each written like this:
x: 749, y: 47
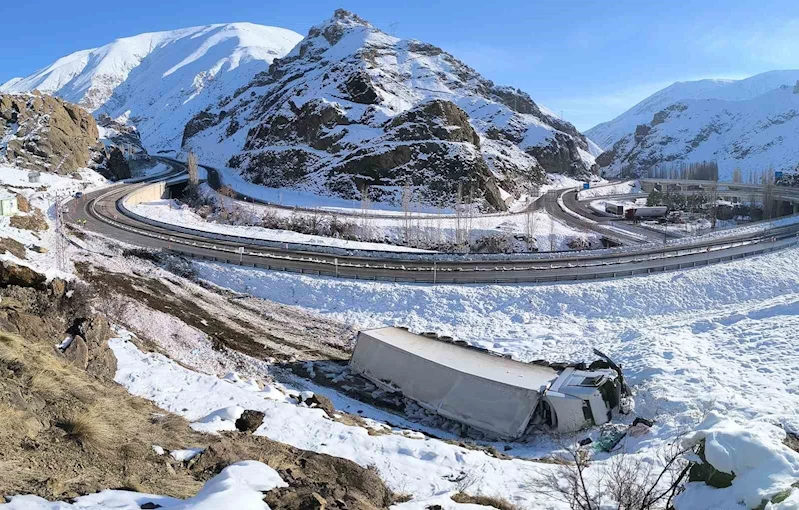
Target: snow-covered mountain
x: 352, y: 106
x: 754, y: 135
x: 158, y: 81
x: 608, y: 133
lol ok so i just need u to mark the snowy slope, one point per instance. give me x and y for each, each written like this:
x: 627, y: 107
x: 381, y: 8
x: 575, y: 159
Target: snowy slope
x: 753, y: 134
x: 352, y: 105
x: 160, y: 80
x: 608, y: 133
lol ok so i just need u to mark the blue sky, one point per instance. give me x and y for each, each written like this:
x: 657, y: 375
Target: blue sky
x: 589, y: 60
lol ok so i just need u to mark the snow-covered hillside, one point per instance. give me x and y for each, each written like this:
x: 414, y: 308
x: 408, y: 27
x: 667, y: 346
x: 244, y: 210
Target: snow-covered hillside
x: 753, y: 134
x: 608, y: 133
x: 159, y: 80
x: 351, y: 105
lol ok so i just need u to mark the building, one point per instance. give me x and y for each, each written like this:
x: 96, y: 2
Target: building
x: 491, y: 393
x: 8, y: 204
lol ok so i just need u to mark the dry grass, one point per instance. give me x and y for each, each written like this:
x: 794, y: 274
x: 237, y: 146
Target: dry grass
x: 9, y: 347
x: 12, y: 421
x: 90, y: 430
x: 497, y: 502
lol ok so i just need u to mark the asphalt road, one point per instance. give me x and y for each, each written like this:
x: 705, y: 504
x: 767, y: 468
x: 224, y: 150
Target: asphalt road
x: 101, y: 212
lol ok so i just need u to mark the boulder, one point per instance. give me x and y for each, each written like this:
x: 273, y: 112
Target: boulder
x: 250, y: 421
x: 21, y: 276
x: 321, y: 402
x: 12, y: 246
x: 102, y: 362
x: 77, y: 353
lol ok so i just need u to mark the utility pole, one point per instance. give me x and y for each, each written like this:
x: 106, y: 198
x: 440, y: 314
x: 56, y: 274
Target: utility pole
x: 60, y: 248
x: 392, y: 27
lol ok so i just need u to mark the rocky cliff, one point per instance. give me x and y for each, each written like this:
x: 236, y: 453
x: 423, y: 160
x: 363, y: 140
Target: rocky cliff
x: 352, y: 107
x: 45, y: 133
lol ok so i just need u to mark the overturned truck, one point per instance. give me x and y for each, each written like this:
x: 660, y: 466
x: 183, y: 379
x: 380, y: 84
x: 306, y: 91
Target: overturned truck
x: 491, y: 393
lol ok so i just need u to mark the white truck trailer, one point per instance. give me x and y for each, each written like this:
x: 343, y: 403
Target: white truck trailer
x: 491, y: 393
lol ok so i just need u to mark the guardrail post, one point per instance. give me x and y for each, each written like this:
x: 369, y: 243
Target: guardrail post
x: 335, y: 260
x: 434, y: 272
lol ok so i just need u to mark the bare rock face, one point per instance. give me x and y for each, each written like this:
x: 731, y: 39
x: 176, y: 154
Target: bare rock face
x: 21, y: 276
x: 77, y: 353
x: 46, y: 133
x: 353, y: 108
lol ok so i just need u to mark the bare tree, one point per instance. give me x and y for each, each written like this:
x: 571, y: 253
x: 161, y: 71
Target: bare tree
x: 737, y: 176
x: 530, y: 224
x: 714, y: 203
x: 407, y: 199
x: 193, y: 168
x: 769, y: 194
x: 366, y: 205
x: 626, y: 481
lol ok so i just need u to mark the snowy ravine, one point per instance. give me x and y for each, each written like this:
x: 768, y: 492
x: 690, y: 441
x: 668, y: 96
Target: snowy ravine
x: 158, y: 81
x: 716, y: 338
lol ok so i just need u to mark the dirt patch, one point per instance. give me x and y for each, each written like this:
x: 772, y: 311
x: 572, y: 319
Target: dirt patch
x: 313, y: 478
x: 283, y: 334
x: 493, y: 501
x: 35, y: 221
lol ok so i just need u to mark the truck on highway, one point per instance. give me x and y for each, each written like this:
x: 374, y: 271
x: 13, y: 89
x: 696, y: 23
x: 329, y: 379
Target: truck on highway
x: 635, y: 213
x: 614, y: 208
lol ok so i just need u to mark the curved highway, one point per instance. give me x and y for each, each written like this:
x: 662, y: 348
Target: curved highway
x: 103, y: 212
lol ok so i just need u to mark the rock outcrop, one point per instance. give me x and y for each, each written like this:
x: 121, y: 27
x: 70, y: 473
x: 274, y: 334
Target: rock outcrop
x: 351, y: 107
x: 46, y: 133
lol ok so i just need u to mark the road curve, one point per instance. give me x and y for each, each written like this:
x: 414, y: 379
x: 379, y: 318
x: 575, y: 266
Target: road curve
x: 101, y: 211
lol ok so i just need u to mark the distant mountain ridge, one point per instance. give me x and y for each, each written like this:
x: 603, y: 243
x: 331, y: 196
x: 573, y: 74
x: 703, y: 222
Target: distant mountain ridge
x: 158, y: 81
x: 608, y: 133
x: 351, y: 106
x: 751, y: 125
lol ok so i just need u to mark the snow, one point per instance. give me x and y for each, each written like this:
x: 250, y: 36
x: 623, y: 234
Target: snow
x: 174, y: 213
x: 608, y: 133
x: 185, y: 454
x: 622, y: 188
x: 762, y: 464
x: 41, y: 195
x: 238, y: 486
x: 754, y: 135
x: 422, y: 467
x: 162, y: 79
x: 719, y: 337
x: 405, y: 74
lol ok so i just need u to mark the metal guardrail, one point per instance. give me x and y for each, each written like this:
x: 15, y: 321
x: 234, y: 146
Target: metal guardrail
x: 430, y: 273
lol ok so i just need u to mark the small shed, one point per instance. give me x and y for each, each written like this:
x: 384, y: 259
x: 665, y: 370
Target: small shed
x: 8, y: 204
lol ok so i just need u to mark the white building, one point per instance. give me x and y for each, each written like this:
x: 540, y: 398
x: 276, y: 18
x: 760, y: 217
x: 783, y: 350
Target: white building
x: 8, y: 204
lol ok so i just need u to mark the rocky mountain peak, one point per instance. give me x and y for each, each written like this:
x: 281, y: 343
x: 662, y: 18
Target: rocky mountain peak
x: 352, y: 107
